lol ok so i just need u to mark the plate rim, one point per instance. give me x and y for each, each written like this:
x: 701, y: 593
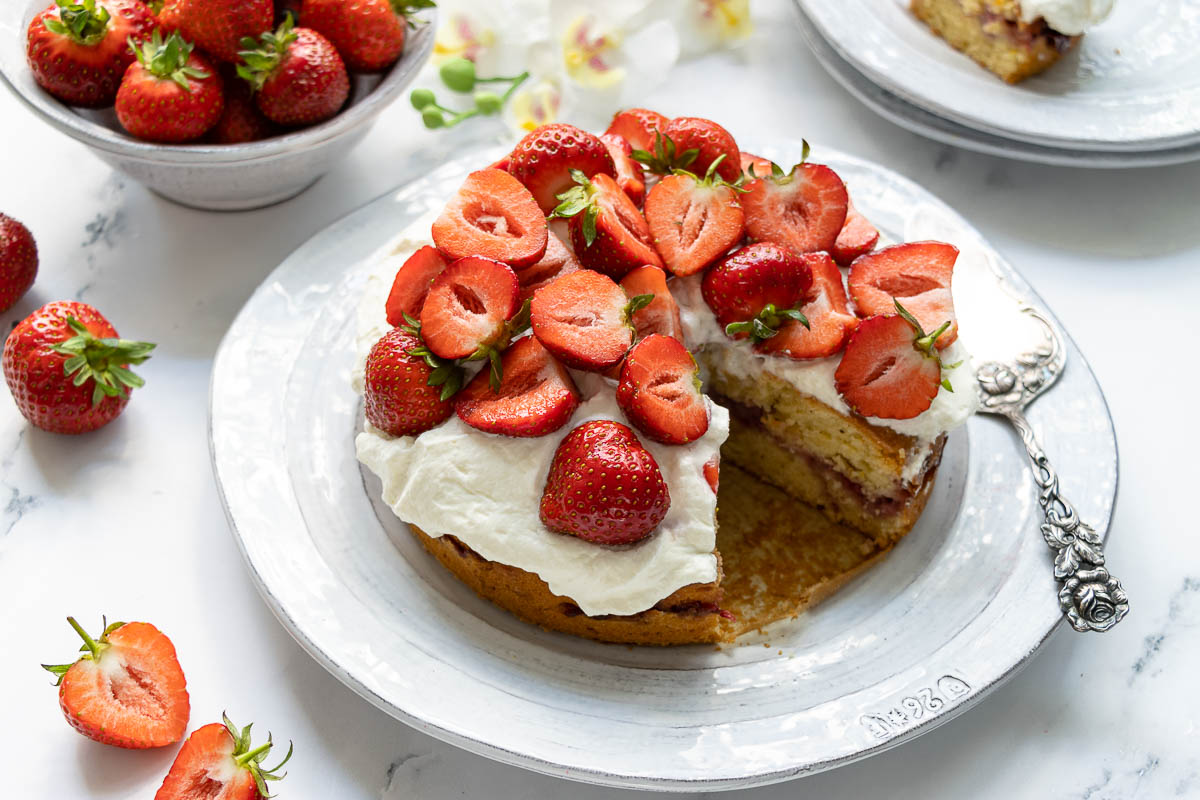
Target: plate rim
x: 600, y: 777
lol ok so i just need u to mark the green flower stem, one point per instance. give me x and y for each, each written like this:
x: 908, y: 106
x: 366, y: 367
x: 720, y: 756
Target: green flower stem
x: 517, y: 81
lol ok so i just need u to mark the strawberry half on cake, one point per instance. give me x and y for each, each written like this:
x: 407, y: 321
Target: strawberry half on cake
x: 658, y: 411
x: 1012, y: 38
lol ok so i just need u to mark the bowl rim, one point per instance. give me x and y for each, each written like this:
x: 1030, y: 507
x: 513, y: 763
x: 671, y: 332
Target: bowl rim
x: 14, y: 73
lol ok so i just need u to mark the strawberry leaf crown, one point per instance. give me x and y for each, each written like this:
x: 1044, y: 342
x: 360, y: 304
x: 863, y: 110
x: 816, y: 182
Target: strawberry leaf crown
x: 446, y: 372
x: 169, y: 60
x: 767, y: 322
x: 103, y: 361
x: 777, y: 174
x: 81, y: 21
x: 263, y: 56
x: 579, y: 198
x: 711, y: 179
x: 251, y: 758
x: 925, y: 343
x: 665, y: 159
x: 406, y: 9
x: 91, y: 648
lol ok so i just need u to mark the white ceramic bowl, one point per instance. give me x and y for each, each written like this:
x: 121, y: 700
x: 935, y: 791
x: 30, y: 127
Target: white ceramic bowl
x: 217, y: 177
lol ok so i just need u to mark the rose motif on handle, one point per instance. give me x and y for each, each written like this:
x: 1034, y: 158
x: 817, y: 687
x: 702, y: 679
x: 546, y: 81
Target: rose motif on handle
x: 1093, y: 600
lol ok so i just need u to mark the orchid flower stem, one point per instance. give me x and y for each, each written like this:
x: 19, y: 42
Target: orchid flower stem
x: 517, y: 81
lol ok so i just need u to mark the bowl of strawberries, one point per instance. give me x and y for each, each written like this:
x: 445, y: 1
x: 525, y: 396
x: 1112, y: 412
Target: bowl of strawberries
x: 215, y: 104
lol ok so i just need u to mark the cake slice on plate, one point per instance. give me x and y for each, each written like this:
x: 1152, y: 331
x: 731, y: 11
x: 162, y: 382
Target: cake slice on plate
x: 1013, y: 38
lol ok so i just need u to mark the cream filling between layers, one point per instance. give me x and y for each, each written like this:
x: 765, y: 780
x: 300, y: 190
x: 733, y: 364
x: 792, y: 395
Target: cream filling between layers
x: 486, y: 489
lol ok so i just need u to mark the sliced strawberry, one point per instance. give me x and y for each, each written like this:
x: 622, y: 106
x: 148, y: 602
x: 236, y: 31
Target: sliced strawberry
x: 755, y: 166
x: 558, y: 260
x: 712, y: 472
x: 637, y: 126
x: 407, y: 390
x: 536, y: 395
x: 604, y: 486
x: 492, y: 216
x: 412, y: 283
x: 127, y: 689
x: 630, y: 176
x: 543, y: 160
x: 804, y: 209
x: 857, y: 237
x: 830, y: 322
x: 467, y: 307
x: 693, y: 221
x: 890, y: 368
x: 583, y: 320
x: 917, y: 274
x: 710, y: 141
x: 660, y: 391
x: 220, y: 762
x: 753, y: 291
x: 608, y: 232
x: 662, y: 314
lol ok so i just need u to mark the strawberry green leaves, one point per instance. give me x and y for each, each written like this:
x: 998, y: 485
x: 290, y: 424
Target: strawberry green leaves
x: 664, y: 160
x: 103, y: 361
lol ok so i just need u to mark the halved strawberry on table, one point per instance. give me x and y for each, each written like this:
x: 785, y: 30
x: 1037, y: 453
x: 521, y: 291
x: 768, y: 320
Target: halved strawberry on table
x: 78, y: 50
x: 127, y: 689
x: 220, y: 762
x: 693, y: 220
x: 407, y: 389
x: 556, y: 261
x: 630, y: 176
x: 856, y: 238
x: 757, y: 289
x: 659, y: 391
x: 891, y: 367
x: 544, y: 159
x: 830, y: 322
x: 694, y: 144
x: 804, y: 209
x: 296, y: 73
x: 583, y: 319
x: 604, y: 486
x: 918, y: 274
x: 171, y: 93
x: 412, y: 283
x: 637, y: 126
x: 219, y: 26
x: 492, y: 216
x: 536, y: 395
x: 608, y: 232
x: 468, y: 310
x: 662, y: 314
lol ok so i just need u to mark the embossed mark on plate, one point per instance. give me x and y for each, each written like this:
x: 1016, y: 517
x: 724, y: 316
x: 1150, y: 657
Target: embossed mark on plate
x: 911, y: 709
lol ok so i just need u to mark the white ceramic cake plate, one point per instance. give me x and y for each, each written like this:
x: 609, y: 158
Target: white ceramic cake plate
x: 897, y: 110
x: 957, y: 608
x: 1132, y: 83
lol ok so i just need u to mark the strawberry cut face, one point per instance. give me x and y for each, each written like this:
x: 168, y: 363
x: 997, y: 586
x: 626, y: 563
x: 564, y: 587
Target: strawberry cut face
x: 412, y: 283
x: 630, y: 176
x: 581, y: 319
x: 804, y: 209
x: 659, y: 391
x: 693, y: 222
x: 535, y: 397
x: 918, y: 275
x: 662, y: 314
x: 857, y: 237
x: 467, y: 307
x: 825, y: 306
x: 495, y: 217
x: 558, y: 260
x: 885, y: 372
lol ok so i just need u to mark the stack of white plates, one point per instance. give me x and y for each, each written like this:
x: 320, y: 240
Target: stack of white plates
x: 1128, y: 95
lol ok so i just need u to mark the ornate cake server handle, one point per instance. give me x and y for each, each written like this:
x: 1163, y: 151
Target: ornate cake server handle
x: 1090, y: 597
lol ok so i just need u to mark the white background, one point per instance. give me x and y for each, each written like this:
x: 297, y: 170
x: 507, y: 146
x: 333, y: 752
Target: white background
x: 127, y: 522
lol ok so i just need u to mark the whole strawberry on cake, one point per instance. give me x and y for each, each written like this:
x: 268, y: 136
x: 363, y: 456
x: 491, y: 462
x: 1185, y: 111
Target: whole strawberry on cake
x: 644, y: 387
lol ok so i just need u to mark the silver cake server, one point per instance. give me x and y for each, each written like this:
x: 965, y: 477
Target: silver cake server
x: 1089, y: 596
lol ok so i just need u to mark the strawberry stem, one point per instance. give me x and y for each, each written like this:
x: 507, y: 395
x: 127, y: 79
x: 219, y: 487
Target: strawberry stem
x: 92, y: 644
x: 102, y: 361
x: 81, y: 22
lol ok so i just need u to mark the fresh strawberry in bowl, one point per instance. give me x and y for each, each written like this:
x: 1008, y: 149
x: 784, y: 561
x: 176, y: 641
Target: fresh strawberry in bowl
x: 170, y: 94
x: 127, y: 689
x: 218, y: 26
x: 296, y: 73
x: 67, y: 369
x: 369, y: 34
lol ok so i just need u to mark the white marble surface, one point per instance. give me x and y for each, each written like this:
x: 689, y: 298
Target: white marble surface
x: 127, y: 521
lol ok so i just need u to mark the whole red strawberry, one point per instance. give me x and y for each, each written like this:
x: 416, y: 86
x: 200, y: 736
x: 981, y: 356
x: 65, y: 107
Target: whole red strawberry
x: 709, y: 140
x: 219, y: 762
x: 757, y: 289
x: 369, y: 34
x: 18, y: 261
x: 170, y: 94
x: 78, y: 50
x: 297, y: 75
x: 67, y: 370
x: 127, y: 689
x: 241, y: 121
x: 399, y: 397
x: 218, y: 26
x: 544, y: 159
x: 604, y: 486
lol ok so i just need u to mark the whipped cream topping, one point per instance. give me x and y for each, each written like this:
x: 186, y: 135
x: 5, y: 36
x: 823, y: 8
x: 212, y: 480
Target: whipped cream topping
x: 1071, y: 17
x: 486, y: 489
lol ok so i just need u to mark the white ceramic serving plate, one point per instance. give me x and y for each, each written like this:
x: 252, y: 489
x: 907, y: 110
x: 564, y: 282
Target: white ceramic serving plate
x: 1132, y: 83
x: 918, y: 120
x: 958, y: 607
